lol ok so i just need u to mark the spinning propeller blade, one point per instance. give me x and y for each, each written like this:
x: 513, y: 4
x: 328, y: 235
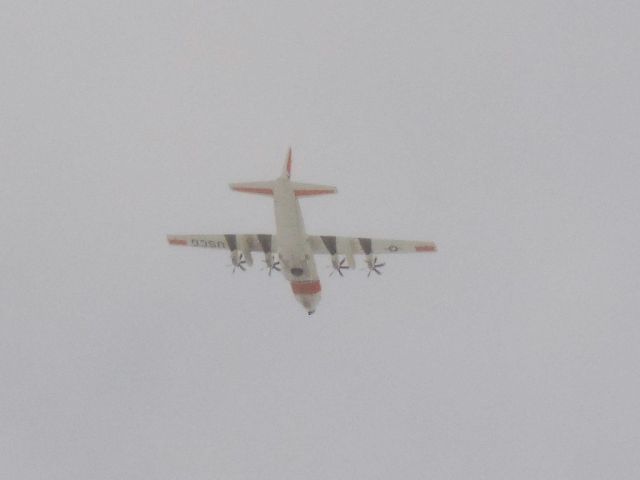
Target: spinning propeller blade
x: 374, y: 266
x: 272, y: 267
x: 338, y: 267
x: 239, y: 263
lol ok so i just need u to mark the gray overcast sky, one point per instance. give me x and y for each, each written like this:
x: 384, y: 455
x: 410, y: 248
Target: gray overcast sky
x: 506, y: 131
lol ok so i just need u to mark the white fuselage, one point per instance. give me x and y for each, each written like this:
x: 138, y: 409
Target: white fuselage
x: 296, y: 258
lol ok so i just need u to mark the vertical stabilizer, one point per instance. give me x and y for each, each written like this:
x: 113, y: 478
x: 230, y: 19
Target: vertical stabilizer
x: 286, y: 171
x: 264, y: 188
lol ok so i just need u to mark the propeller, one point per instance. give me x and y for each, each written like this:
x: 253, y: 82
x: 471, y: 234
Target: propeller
x: 238, y: 262
x: 374, y: 266
x: 271, y: 266
x: 338, y: 267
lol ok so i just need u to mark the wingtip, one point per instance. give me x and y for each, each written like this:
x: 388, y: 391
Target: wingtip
x: 174, y: 240
x: 427, y: 247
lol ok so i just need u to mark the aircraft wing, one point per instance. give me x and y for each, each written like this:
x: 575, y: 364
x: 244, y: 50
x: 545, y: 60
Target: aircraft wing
x: 350, y: 246
x: 247, y: 242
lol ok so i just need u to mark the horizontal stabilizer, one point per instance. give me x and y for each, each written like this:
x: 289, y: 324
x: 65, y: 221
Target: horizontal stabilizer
x: 310, y: 189
x: 261, y: 188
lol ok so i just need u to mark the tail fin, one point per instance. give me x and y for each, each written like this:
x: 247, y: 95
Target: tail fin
x: 300, y: 189
x: 310, y: 189
x: 261, y: 188
x: 286, y: 171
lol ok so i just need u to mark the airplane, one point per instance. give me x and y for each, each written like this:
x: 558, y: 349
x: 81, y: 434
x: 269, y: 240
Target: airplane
x: 295, y: 249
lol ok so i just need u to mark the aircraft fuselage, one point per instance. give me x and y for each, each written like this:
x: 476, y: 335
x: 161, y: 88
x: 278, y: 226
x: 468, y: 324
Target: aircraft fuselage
x: 294, y: 253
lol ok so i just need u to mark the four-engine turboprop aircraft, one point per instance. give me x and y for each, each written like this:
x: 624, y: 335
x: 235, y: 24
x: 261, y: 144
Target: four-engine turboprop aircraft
x: 295, y: 249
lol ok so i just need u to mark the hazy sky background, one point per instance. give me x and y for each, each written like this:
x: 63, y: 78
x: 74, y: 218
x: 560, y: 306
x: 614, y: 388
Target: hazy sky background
x: 506, y: 131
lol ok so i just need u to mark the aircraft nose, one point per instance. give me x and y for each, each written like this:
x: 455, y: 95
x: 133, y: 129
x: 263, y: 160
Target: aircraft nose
x: 309, y: 302
x: 307, y: 293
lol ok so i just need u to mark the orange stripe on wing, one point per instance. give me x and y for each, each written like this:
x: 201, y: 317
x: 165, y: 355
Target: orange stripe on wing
x: 177, y: 241
x: 306, y: 288
x: 426, y: 248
